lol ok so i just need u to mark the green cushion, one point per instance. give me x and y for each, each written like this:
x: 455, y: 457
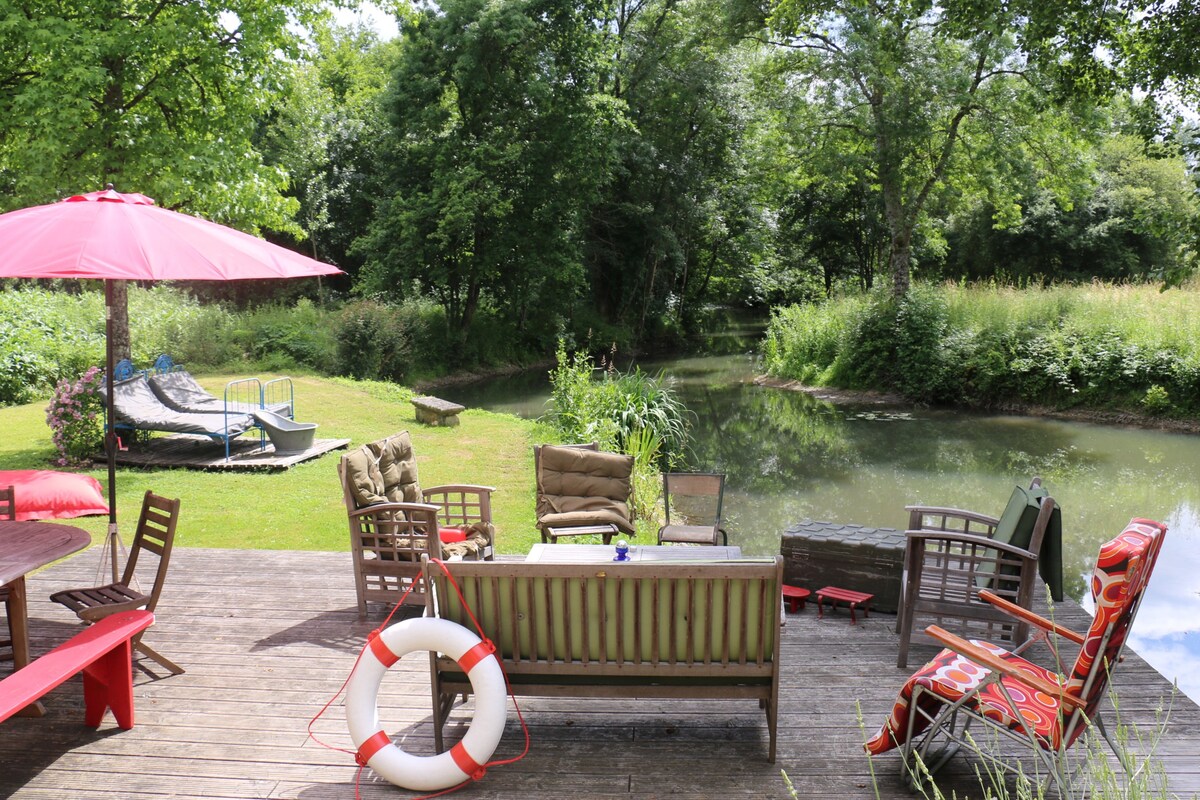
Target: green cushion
x: 1019, y: 517
x: 557, y: 619
x: 1016, y: 528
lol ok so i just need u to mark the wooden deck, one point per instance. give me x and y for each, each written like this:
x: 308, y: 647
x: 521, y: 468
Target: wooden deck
x: 202, y: 452
x: 268, y: 637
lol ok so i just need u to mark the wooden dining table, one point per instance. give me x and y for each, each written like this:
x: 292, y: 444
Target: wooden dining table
x: 24, y: 547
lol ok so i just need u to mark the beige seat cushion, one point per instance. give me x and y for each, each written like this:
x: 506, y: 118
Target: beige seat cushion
x: 365, y: 478
x: 583, y: 487
x: 398, y: 468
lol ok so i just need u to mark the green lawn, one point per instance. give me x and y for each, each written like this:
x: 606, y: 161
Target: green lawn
x: 301, y: 508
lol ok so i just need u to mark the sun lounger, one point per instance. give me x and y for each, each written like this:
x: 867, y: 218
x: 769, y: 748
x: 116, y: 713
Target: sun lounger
x: 179, y: 390
x: 136, y: 407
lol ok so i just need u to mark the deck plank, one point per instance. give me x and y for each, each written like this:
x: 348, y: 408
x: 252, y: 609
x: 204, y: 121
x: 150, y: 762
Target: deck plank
x: 268, y: 637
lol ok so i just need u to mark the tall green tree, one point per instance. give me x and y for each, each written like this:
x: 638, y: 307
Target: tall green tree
x: 679, y: 210
x: 901, y: 83
x: 328, y: 135
x: 154, y: 96
x: 500, y: 141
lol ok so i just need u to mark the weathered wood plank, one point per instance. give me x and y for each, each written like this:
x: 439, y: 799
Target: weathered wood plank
x: 268, y: 637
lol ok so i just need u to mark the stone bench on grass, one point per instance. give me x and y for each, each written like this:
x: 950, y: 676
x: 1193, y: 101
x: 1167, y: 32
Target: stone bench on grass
x: 436, y: 411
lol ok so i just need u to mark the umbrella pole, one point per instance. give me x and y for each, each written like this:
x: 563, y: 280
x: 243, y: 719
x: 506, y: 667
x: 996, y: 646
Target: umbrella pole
x: 110, y: 434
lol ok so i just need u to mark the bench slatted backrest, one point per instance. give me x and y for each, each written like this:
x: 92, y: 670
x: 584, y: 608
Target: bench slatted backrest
x: 597, y: 618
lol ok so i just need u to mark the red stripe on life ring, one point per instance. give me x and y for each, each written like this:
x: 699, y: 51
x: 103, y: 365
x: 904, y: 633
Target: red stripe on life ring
x: 476, y: 654
x: 381, y: 651
x: 467, y: 764
x: 371, y: 746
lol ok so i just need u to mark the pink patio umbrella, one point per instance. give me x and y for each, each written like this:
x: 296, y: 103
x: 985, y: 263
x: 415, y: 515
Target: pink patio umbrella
x: 112, y: 236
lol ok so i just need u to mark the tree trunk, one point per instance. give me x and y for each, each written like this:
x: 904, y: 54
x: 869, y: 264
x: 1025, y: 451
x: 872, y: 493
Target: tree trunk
x: 122, y: 346
x: 901, y: 250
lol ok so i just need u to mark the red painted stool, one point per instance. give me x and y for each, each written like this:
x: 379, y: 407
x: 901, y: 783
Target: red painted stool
x: 833, y: 594
x: 794, y: 596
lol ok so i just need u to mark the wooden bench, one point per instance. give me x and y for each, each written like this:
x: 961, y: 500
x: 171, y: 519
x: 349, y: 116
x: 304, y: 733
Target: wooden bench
x: 436, y: 411
x: 640, y: 629
x: 102, y: 652
x: 851, y: 598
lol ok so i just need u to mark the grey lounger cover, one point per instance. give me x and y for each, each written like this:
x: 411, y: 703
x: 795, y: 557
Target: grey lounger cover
x: 180, y: 391
x: 136, y: 405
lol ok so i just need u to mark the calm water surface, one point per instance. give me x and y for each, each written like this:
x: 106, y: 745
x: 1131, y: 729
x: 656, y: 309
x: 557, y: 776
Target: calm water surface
x: 788, y: 456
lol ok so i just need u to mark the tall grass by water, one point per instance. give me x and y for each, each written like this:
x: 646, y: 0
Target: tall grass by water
x: 1098, y: 345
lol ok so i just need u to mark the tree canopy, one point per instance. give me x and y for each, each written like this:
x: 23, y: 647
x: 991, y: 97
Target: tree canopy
x: 551, y: 168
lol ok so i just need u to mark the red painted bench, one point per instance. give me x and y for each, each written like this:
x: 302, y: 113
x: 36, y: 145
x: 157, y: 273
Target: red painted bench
x: 102, y: 652
x: 833, y: 594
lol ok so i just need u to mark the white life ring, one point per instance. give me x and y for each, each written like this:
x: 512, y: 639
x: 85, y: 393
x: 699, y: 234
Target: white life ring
x: 466, y: 758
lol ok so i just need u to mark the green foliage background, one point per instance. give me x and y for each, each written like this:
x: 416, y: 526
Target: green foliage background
x: 1099, y: 345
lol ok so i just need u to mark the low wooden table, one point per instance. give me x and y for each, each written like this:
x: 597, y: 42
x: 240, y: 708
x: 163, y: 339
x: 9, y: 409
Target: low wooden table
x: 25, y: 547
x: 851, y: 598
x: 599, y: 553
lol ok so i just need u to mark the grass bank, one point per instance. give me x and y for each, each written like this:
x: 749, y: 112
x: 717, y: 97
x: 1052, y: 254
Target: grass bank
x: 301, y: 508
x: 1095, y: 346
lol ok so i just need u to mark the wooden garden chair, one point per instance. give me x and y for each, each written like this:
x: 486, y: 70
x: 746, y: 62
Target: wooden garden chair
x: 952, y: 554
x: 696, y: 500
x: 152, y: 542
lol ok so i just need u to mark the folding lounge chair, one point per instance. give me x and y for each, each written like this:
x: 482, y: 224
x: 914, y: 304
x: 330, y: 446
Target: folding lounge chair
x: 976, y: 681
x: 152, y: 545
x: 178, y: 390
x: 136, y: 407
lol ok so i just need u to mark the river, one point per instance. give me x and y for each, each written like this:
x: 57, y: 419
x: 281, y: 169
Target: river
x: 789, y: 456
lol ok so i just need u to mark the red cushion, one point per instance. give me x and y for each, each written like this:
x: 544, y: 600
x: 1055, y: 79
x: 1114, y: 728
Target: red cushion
x: 451, y: 535
x: 46, y: 494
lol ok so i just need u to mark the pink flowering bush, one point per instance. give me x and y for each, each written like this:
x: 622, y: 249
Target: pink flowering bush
x: 76, y: 418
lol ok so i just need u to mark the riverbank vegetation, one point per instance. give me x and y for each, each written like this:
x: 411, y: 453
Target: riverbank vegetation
x: 987, y: 345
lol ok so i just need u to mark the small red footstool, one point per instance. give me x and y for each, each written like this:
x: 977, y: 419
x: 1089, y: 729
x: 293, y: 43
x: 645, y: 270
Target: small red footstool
x: 835, y: 595
x: 794, y: 596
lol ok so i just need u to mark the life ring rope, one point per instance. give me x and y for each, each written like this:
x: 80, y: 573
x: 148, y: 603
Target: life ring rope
x: 386, y: 657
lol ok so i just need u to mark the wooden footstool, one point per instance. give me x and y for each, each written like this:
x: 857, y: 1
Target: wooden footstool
x: 853, y: 599
x: 794, y: 596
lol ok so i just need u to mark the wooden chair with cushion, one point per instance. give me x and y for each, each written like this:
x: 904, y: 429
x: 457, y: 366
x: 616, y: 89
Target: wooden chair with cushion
x: 952, y: 554
x: 153, y: 541
x: 393, y: 522
x: 8, y: 512
x: 696, y: 499
x: 582, y: 491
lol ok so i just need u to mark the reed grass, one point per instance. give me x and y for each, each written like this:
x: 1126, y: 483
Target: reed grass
x: 1129, y: 347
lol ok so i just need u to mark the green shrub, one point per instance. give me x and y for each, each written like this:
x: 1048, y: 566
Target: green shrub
x: 614, y: 409
x: 382, y: 341
x: 868, y: 356
x: 984, y: 345
x: 282, y: 337
x: 1157, y: 400
x: 21, y: 375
